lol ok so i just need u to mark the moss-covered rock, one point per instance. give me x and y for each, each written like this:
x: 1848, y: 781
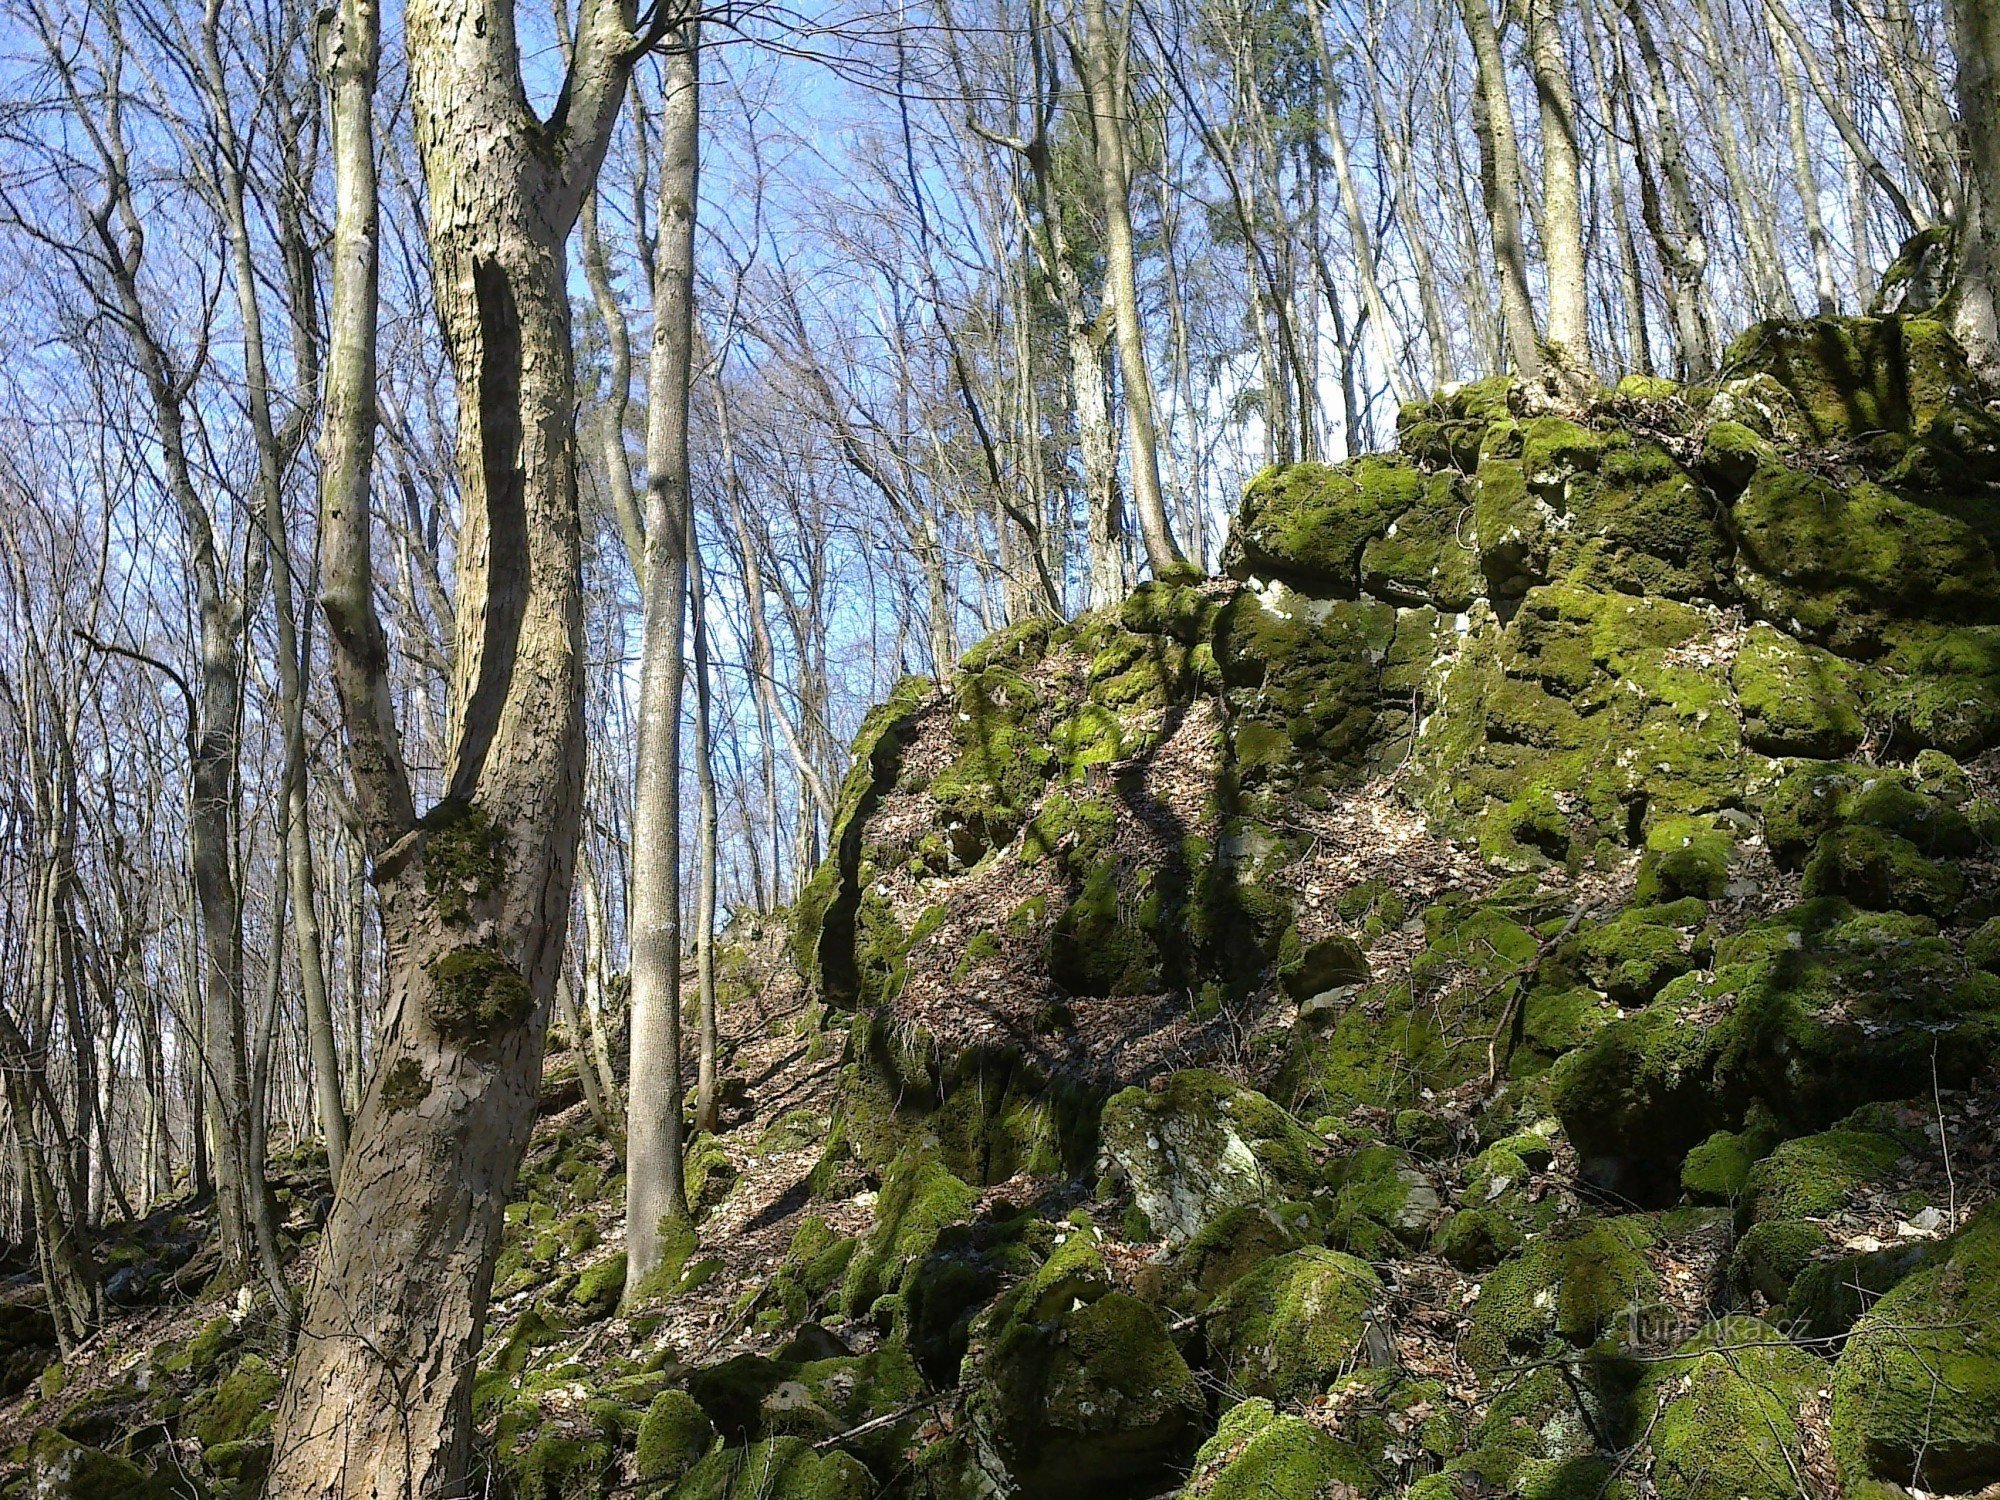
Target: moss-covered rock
x: 1881, y: 872
x: 919, y: 1198
x: 1849, y: 379
x: 1287, y: 1328
x: 1310, y: 522
x: 781, y: 1468
x: 1259, y: 1453
x: 61, y: 1469
x: 1196, y: 1144
x: 1796, y: 699
x: 1381, y: 1202
x: 1078, y: 1390
x: 242, y: 1406
x: 1802, y: 1014
x: 1836, y: 562
x: 1916, y: 1391
x: 674, y: 1435
x: 1722, y: 1416
x: 1566, y: 1290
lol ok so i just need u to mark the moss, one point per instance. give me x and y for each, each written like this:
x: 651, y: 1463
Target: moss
x: 1477, y: 1239
x: 1236, y: 1241
x: 559, y: 1465
x: 1803, y: 1013
x: 1812, y: 799
x: 464, y: 857
x: 782, y: 1468
x: 405, y: 1086
x: 1938, y: 686
x: 1258, y: 1453
x: 1632, y: 956
x: 201, y: 1356
x: 1553, y: 449
x: 1580, y: 720
x: 827, y: 912
x: 1770, y: 1256
x: 1308, y: 969
x: 1723, y: 1415
x: 1852, y: 378
x: 1567, y: 1289
x: 1381, y: 1203
x: 1425, y: 555
x: 475, y: 997
x: 1196, y: 1144
x: 1310, y: 522
x: 1513, y: 530
x: 919, y: 1199
x: 598, y: 1290
x: 1642, y: 525
x: 61, y: 1469
x: 1102, y: 943
x: 1982, y: 947
x: 1718, y: 1170
x: 1916, y: 1391
x: 1796, y: 699
x: 1881, y: 872
x: 1685, y: 857
x: 1813, y: 1176
x: 1836, y: 563
x: 1088, y: 1397
x: 1287, y: 1328
x: 238, y: 1408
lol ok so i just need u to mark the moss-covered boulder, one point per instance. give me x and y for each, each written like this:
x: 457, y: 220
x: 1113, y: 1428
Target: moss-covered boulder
x: 1195, y: 1144
x: 674, y: 1435
x: 1309, y: 522
x: 782, y: 1468
x: 1286, y: 1329
x: 1381, y: 1202
x: 1851, y: 379
x: 919, y: 1199
x: 873, y: 1396
x: 242, y: 1406
x: 1079, y: 1390
x: 59, y: 1468
x: 1802, y: 1014
x: 1259, y: 1453
x: 1722, y: 1416
x: 1916, y: 1391
x: 1565, y: 1291
x: 987, y: 1112
x: 1796, y: 699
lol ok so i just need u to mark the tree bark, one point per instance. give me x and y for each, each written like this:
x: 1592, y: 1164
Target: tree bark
x: 1562, y: 192
x: 1976, y: 42
x: 1500, y: 173
x: 1104, y: 69
x: 475, y: 897
x: 655, y: 1187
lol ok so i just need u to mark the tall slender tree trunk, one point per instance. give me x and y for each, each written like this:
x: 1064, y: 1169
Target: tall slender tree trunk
x: 1562, y: 192
x: 476, y: 895
x: 707, y: 1099
x: 1976, y: 42
x: 1500, y: 175
x: 656, y: 1189
x: 1104, y: 66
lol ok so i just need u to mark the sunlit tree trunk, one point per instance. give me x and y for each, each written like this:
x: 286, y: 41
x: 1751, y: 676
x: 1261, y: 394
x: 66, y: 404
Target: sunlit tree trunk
x: 476, y: 894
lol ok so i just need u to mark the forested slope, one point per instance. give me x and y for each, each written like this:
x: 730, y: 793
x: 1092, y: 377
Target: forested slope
x: 1499, y: 996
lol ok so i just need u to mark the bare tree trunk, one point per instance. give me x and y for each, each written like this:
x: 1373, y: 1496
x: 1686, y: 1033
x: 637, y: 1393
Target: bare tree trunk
x: 1104, y: 69
x: 707, y: 1102
x: 1562, y: 192
x: 657, y: 1193
x: 1500, y: 173
x: 475, y: 896
x: 1387, y: 338
x: 1631, y: 279
x: 1976, y: 41
x: 1804, y: 173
